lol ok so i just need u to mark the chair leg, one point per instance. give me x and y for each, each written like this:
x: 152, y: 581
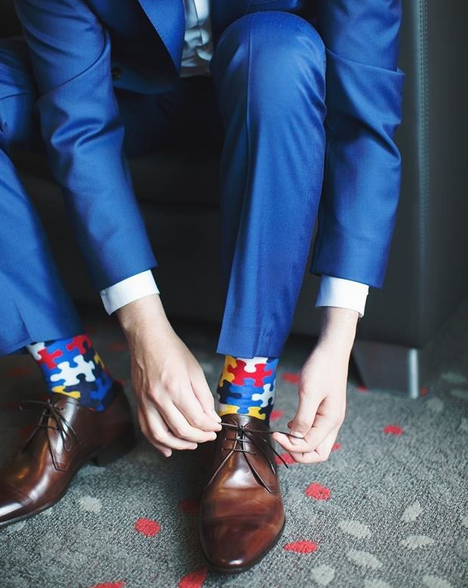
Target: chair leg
x: 390, y: 368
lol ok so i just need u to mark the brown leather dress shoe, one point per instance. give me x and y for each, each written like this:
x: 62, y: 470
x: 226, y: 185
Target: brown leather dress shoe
x: 241, y: 514
x: 66, y: 437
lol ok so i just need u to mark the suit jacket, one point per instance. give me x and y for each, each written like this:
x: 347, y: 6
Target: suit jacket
x: 82, y: 49
x: 146, y: 62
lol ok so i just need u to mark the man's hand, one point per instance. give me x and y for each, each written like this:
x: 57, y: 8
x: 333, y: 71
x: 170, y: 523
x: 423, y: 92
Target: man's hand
x: 322, y: 389
x: 175, y: 404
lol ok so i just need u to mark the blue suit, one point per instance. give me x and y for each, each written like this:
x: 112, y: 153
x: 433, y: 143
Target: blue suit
x: 309, y: 94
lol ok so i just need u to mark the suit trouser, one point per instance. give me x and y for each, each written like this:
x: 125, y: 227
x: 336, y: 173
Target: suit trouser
x: 268, y: 88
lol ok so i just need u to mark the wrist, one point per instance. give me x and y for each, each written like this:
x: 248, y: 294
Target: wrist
x: 338, y: 328
x: 139, y: 314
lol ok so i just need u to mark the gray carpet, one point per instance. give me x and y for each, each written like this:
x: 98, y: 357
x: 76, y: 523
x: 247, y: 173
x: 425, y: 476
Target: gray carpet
x: 387, y: 510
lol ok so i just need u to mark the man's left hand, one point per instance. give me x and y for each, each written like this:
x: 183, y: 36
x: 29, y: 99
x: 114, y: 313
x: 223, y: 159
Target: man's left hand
x: 322, y: 390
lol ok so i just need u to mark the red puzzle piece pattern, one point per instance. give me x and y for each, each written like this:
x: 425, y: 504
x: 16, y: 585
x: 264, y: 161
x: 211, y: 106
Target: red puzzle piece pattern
x: 78, y: 343
x: 49, y: 358
x: 240, y: 374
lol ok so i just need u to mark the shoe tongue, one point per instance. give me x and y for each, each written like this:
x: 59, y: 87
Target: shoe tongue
x: 245, y: 420
x: 65, y: 406
x: 60, y: 433
x: 246, y: 467
x: 59, y: 399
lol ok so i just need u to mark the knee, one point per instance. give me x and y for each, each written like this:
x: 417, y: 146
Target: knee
x: 272, y: 42
x: 273, y: 56
x: 275, y: 60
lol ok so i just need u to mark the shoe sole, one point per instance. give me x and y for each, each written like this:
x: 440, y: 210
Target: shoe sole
x: 239, y: 570
x: 103, y: 456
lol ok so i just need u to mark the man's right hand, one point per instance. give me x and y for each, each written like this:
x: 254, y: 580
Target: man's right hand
x: 175, y: 405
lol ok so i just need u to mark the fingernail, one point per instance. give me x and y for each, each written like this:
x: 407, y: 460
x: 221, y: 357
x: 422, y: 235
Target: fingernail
x: 217, y: 417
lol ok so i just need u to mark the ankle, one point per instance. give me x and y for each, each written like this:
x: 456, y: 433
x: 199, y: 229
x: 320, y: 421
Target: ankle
x: 247, y: 386
x: 72, y: 367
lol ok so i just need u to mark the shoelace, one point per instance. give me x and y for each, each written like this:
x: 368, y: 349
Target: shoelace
x: 50, y: 411
x: 250, y: 436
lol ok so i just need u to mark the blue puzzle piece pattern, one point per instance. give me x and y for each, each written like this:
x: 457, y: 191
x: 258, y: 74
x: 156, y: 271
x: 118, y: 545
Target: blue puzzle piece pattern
x: 68, y: 370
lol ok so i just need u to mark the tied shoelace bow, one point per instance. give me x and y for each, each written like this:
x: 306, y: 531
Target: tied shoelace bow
x: 64, y: 428
x: 251, y: 436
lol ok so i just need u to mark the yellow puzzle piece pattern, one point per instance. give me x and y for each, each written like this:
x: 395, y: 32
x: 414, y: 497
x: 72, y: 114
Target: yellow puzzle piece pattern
x: 61, y: 390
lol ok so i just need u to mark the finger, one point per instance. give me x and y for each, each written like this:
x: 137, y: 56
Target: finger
x: 193, y: 412
x: 316, y: 435
x: 304, y: 417
x: 166, y: 451
x: 325, y: 448
x: 326, y: 416
x: 285, y: 442
x: 320, y: 453
x: 180, y: 426
x: 203, y: 393
x: 161, y: 433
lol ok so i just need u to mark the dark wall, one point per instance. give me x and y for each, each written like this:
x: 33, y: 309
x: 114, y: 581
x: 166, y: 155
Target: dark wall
x: 9, y: 24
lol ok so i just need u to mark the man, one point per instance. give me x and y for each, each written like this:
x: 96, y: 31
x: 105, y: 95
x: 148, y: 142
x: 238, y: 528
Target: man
x: 95, y: 81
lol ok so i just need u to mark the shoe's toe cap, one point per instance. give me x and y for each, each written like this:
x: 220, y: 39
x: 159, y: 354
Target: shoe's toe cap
x: 13, y: 503
x: 232, y: 546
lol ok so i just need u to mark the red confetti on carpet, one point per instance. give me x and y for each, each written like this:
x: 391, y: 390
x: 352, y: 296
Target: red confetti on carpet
x: 291, y: 377
x: 362, y: 389
x: 194, y: 579
x: 336, y: 446
x: 276, y: 414
x: 317, y: 491
x: 147, y: 527
x: 303, y: 546
x: 393, y: 430
x: 109, y: 585
x: 288, y: 458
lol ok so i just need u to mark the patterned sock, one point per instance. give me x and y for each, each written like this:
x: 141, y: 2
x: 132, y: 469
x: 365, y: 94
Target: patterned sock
x: 72, y: 367
x: 247, y: 386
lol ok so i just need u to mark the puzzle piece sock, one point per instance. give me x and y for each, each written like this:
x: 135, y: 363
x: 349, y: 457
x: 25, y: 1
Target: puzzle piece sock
x: 72, y: 367
x: 247, y: 386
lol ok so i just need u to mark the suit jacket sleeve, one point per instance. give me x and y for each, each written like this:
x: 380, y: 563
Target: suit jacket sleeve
x: 362, y: 166
x: 81, y: 126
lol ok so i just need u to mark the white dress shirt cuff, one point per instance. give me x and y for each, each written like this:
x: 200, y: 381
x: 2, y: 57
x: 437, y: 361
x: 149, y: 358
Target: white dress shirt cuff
x: 128, y: 290
x: 342, y: 293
